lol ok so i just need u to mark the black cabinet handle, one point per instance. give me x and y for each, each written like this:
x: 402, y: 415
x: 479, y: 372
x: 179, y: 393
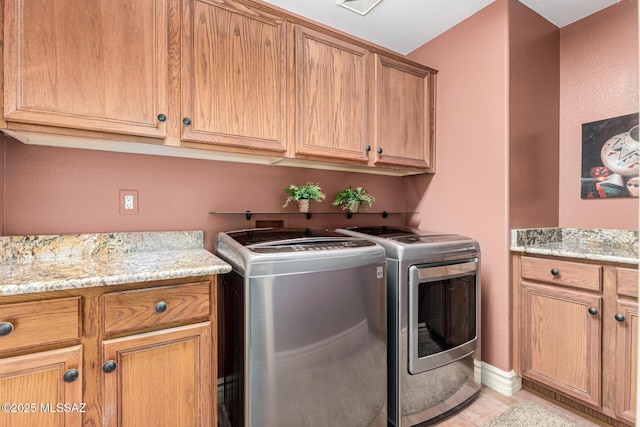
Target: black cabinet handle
x: 379, y: 150
x: 162, y: 118
x: 619, y: 317
x: 554, y: 272
x: 593, y: 310
x: 186, y: 121
x: 109, y: 366
x: 70, y: 376
x: 367, y: 148
x: 160, y: 307
x: 5, y: 328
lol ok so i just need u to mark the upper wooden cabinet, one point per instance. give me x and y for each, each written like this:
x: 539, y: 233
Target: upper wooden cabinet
x: 234, y: 68
x: 332, y: 104
x: 241, y: 79
x: 100, y: 65
x: 404, y: 114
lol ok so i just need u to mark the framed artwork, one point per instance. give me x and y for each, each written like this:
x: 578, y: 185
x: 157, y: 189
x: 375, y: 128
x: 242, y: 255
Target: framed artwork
x: 610, y: 158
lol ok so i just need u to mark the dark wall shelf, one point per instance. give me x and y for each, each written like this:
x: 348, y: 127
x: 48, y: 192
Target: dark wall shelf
x: 309, y: 215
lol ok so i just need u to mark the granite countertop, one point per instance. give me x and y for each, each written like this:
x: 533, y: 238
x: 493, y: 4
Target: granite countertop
x: 43, y: 263
x: 620, y: 246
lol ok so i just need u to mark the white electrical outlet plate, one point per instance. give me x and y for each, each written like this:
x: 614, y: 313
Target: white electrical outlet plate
x: 128, y: 202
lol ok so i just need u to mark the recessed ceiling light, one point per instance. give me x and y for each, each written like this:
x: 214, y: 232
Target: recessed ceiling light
x: 361, y: 7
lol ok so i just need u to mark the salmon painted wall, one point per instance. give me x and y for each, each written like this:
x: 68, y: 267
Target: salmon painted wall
x: 598, y: 80
x: 488, y: 151
x: 534, y: 103
x: 468, y: 193
x: 61, y: 190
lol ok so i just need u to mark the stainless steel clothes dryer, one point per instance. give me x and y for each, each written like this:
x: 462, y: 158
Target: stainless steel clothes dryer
x: 434, y: 289
x: 303, y: 329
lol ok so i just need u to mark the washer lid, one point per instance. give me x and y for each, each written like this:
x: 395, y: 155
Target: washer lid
x: 280, y: 240
x: 265, y: 235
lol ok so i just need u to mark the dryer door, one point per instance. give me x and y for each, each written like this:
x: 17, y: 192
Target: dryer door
x: 442, y: 313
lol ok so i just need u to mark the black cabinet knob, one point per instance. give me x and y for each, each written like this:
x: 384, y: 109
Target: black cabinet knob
x: 593, y: 310
x: 70, y: 376
x: 379, y: 150
x: 162, y: 118
x: 160, y: 307
x: 109, y: 366
x: 619, y: 317
x: 367, y: 148
x: 5, y: 328
x: 554, y: 272
x: 186, y: 121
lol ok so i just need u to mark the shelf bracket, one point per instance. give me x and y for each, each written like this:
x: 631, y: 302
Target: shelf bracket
x: 385, y: 214
x: 349, y: 215
x: 247, y: 215
x: 309, y: 215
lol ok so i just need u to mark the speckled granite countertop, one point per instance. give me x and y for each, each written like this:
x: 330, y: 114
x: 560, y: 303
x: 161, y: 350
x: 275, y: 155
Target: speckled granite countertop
x: 30, y: 264
x: 595, y: 244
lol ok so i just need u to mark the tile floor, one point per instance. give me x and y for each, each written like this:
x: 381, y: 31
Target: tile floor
x: 490, y: 404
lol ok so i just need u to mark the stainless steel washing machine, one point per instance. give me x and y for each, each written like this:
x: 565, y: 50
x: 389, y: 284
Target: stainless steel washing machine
x: 434, y: 290
x: 303, y: 329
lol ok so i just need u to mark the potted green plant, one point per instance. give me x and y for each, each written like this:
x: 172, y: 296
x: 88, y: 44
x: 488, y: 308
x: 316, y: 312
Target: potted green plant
x: 350, y: 199
x: 303, y: 195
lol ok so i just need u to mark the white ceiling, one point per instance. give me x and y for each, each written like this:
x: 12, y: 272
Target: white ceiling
x: 405, y: 25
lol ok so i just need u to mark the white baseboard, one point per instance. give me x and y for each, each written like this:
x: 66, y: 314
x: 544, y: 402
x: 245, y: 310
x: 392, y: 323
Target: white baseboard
x: 507, y: 383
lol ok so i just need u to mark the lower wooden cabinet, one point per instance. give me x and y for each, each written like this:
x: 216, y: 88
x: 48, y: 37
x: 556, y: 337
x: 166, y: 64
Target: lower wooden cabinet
x: 625, y: 352
x: 127, y: 355
x: 576, y: 333
x: 160, y: 378
x: 560, y: 341
x: 42, y: 389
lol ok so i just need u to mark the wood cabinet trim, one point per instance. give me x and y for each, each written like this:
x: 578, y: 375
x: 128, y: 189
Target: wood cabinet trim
x: 627, y: 281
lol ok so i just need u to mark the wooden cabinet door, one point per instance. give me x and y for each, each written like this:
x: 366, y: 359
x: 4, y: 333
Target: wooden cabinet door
x: 626, y: 360
x: 234, y: 68
x: 99, y: 65
x: 332, y: 105
x: 161, y: 378
x: 560, y: 340
x: 34, y: 387
x: 404, y: 115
